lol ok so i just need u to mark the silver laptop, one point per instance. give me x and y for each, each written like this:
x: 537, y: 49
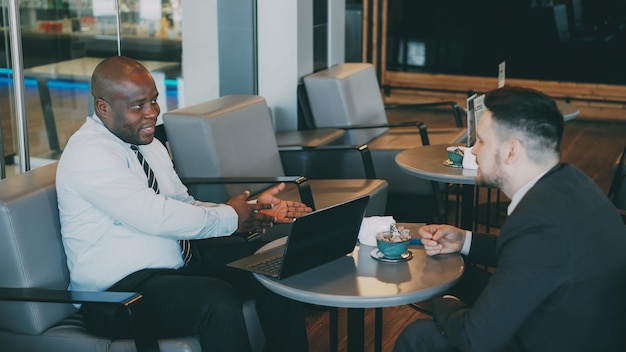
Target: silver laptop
x: 314, y: 239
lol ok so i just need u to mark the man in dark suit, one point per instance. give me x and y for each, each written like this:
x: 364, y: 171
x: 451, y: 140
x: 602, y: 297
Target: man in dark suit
x: 559, y: 262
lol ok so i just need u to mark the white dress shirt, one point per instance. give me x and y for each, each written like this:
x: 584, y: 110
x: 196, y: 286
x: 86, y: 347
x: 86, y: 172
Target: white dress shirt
x: 517, y: 197
x: 112, y: 223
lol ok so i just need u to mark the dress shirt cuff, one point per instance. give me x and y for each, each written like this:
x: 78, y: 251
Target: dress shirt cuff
x: 467, y: 244
x: 229, y: 220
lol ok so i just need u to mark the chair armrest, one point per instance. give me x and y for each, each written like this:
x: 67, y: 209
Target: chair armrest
x: 420, y: 126
x: 218, y: 180
x: 143, y: 341
x: 456, y: 110
x: 304, y: 188
x: 65, y: 296
x: 364, y: 151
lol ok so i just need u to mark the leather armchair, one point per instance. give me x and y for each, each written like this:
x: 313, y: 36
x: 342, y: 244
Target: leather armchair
x: 348, y: 96
x: 233, y: 137
x: 36, y: 310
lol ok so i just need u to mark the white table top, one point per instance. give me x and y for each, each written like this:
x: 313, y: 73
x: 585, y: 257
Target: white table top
x: 359, y: 281
x: 82, y: 68
x: 426, y: 162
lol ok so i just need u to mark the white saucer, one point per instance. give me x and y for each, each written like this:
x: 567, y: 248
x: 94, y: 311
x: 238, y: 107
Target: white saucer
x: 378, y: 255
x: 449, y: 163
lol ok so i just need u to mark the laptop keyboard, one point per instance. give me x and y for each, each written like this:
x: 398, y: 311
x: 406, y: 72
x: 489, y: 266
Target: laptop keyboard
x: 270, y: 265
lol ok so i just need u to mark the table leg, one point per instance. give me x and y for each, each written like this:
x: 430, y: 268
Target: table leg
x: 356, y: 329
x: 48, y: 114
x: 488, y: 206
x: 378, y: 332
x: 467, y: 207
x: 333, y: 327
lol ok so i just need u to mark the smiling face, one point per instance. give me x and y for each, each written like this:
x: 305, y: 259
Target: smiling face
x: 126, y: 99
x: 488, y: 151
x: 132, y: 111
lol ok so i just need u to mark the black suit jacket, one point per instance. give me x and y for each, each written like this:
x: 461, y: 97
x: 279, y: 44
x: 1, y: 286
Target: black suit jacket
x: 559, y: 282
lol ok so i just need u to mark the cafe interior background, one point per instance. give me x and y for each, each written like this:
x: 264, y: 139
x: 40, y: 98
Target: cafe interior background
x: 442, y: 48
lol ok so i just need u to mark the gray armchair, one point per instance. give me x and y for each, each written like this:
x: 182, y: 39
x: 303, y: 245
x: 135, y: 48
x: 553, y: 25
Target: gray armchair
x: 348, y: 96
x: 233, y: 137
x: 36, y: 310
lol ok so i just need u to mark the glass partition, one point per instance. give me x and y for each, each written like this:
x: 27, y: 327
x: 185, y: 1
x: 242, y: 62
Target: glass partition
x: 62, y: 41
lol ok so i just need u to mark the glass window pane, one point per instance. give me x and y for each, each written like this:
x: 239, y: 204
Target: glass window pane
x: 151, y: 34
x: 62, y: 42
x: 55, y: 35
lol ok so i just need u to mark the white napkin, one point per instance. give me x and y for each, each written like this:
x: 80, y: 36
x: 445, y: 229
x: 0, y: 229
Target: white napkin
x: 469, y: 159
x: 371, y: 226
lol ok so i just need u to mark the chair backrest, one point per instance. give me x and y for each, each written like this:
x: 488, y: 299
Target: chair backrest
x: 31, y: 249
x: 231, y: 136
x: 347, y: 94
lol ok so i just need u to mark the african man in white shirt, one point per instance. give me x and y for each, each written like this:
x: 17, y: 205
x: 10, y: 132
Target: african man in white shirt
x: 122, y: 234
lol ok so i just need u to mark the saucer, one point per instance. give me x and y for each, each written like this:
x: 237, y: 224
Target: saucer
x: 376, y: 254
x: 449, y: 163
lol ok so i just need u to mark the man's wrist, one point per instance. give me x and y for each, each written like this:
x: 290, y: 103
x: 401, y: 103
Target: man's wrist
x: 467, y: 243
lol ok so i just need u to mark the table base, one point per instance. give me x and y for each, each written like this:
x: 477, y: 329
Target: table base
x: 356, y: 329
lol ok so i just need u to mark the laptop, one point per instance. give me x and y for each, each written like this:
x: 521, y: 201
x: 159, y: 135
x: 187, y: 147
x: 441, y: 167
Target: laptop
x: 314, y: 239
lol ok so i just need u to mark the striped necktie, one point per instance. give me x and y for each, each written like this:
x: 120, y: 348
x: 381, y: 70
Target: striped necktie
x: 152, y: 182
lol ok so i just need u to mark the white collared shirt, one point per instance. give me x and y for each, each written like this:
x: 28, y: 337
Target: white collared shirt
x: 517, y: 197
x: 112, y: 223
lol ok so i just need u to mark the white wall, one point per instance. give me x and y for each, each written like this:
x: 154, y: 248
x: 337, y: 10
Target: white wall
x: 285, y: 53
x: 336, y: 32
x: 200, y: 52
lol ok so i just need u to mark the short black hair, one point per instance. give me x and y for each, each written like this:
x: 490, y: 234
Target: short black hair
x: 531, y: 113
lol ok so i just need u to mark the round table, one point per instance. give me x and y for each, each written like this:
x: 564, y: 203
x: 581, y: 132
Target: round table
x: 427, y: 162
x: 359, y: 281
x: 568, y: 110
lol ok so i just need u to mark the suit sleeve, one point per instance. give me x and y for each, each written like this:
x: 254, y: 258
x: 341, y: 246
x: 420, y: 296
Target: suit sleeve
x: 530, y: 268
x: 483, y: 249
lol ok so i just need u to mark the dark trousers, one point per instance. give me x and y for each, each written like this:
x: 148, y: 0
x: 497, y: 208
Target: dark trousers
x: 282, y: 319
x: 204, y: 299
x: 424, y: 335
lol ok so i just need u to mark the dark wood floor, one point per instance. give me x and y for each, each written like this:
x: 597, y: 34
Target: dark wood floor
x: 591, y: 146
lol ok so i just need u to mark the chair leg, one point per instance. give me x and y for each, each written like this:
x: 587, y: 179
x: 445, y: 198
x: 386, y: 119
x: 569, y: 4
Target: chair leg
x: 378, y: 330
